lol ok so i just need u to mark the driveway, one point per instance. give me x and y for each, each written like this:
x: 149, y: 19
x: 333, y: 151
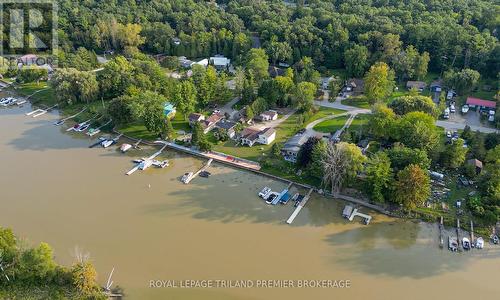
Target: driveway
x: 275, y: 123
x: 338, y: 105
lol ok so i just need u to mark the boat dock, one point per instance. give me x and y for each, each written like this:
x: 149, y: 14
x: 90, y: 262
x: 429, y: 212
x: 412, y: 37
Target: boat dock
x: 204, y: 168
x: 356, y: 213
x: 441, y: 229
x: 282, y: 194
x: 146, y: 162
x: 299, y: 207
x: 39, y: 112
x: 60, y: 122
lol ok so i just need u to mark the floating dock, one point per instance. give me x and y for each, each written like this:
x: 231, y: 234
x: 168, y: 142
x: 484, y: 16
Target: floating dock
x: 299, y: 207
x: 34, y: 111
x: 204, y: 168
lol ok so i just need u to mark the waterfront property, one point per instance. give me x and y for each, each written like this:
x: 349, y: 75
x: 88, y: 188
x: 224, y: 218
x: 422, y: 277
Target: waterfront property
x: 249, y: 136
x: 291, y: 148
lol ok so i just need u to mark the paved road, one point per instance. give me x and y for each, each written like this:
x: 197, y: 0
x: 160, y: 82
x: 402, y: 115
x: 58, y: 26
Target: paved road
x: 456, y: 126
x: 446, y: 124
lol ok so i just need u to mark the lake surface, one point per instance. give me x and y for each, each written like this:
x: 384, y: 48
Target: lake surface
x: 149, y: 226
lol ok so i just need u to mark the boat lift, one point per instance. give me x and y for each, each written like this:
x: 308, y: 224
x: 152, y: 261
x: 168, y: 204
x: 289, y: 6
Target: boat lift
x: 94, y: 131
x: 144, y: 163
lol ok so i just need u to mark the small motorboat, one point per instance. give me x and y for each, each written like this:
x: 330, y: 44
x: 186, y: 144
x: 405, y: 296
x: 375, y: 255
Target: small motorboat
x: 125, y: 147
x: 494, y: 239
x: 59, y: 123
x: 266, y: 190
x: 107, y: 143
x: 93, y: 131
x: 186, y: 177
x: 452, y: 244
x: 161, y: 164
x: 466, y: 243
x: 205, y: 174
x: 479, y: 243
x: 271, y: 197
x: 83, y: 127
x: 465, y: 109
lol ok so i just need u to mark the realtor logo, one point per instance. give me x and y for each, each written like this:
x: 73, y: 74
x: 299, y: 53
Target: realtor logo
x: 28, y: 27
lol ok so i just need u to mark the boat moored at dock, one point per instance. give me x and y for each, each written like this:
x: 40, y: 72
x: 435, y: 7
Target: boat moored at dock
x: 466, y: 243
x: 125, y: 147
x: 452, y: 244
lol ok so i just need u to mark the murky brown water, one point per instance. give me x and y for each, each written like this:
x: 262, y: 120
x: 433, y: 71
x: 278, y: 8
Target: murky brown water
x: 149, y: 226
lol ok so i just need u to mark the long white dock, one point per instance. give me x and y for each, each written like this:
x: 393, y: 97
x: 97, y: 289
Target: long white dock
x: 299, y: 207
x: 188, y: 180
x: 34, y: 111
x: 147, y: 161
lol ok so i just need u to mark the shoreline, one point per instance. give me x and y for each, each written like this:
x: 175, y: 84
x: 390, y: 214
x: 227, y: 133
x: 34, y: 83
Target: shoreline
x: 418, y: 216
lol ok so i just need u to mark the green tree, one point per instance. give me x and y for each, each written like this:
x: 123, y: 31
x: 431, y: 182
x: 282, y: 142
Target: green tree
x: 402, y: 156
x: 73, y: 86
x: 185, y: 97
x: 169, y: 129
x: 116, y: 77
x: 382, y: 122
x: 379, y: 82
x: 462, y: 82
x: 418, y: 130
x: 258, y: 63
x: 305, y: 153
x: 304, y: 95
x: 412, y: 188
x: 379, y: 176
x: 356, y: 60
x: 405, y: 104
x: 84, y: 278
x: 454, y: 154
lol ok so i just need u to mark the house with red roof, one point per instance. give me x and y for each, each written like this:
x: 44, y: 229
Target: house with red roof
x: 476, y: 102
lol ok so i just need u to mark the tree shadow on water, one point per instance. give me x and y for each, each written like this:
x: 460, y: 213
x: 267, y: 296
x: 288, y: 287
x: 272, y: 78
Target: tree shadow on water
x: 399, y: 249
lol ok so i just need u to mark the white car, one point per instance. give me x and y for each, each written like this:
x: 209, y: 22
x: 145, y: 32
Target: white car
x: 491, y: 116
x: 452, y: 108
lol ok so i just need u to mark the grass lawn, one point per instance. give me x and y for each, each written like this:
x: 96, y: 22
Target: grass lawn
x: 359, y: 121
x: 324, y: 112
x: 331, y: 125
x: 356, y: 102
x: 138, y: 131
x: 46, y: 96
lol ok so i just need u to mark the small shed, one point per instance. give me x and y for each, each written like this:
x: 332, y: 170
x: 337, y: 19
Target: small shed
x: 418, y: 85
x: 477, y: 164
x: 169, y: 110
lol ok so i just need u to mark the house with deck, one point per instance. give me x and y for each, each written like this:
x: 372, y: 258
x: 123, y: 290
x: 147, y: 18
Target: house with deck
x: 249, y: 136
x: 291, y: 148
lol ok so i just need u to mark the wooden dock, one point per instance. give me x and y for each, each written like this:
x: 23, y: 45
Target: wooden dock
x: 441, y: 236
x: 297, y: 210
x: 204, y: 168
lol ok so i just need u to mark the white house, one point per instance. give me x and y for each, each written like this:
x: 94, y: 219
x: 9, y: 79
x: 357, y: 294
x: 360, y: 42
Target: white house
x: 220, y: 62
x: 203, y: 62
x: 266, y: 136
x: 269, y: 115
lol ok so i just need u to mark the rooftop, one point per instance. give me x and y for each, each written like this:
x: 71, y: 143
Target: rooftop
x: 481, y: 102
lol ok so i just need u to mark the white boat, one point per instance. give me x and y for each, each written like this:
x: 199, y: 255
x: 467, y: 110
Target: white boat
x: 83, y: 127
x: 107, y: 143
x: 93, y: 131
x: 125, y: 147
x: 452, y: 244
x: 186, y: 177
x: 479, y: 243
x: 466, y: 243
x: 465, y: 109
x: 271, y: 196
x: 266, y: 190
x: 160, y: 164
x: 452, y: 108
